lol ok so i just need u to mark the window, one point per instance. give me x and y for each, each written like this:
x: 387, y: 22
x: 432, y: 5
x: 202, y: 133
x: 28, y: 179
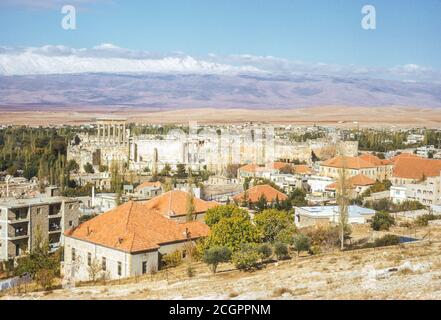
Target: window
x: 144, y: 267
x: 104, y: 264
x: 89, y: 258
x: 119, y: 268
x: 38, y: 210
x: 73, y: 254
x: 70, y: 223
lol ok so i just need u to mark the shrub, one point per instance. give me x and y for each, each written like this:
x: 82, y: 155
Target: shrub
x: 215, y: 255
x: 301, y: 243
x: 232, y: 233
x: 382, y: 221
x: 172, y: 260
x: 247, y: 258
x: 281, y: 250
x: 265, y: 251
x: 387, y: 240
x: 272, y: 222
x: 424, y: 219
x: 214, y: 215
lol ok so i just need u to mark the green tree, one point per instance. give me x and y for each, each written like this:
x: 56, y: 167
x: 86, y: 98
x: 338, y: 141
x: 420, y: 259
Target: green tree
x: 88, y: 168
x: 214, y: 215
x: 215, y: 255
x: 301, y: 243
x: 272, y: 222
x: 382, y: 221
x: 247, y: 258
x: 233, y: 232
x: 281, y: 250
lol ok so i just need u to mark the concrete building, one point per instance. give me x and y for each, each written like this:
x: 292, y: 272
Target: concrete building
x: 23, y: 220
x: 326, y: 215
x: 129, y: 240
x: 427, y: 192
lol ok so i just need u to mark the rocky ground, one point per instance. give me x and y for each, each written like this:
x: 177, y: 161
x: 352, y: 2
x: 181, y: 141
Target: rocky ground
x: 411, y: 271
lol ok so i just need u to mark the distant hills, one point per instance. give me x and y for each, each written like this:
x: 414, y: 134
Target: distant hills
x: 246, y: 90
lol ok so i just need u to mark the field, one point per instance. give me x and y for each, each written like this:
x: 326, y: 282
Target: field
x: 325, y: 115
x: 411, y: 271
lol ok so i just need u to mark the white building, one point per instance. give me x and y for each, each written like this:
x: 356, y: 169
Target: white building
x: 128, y: 241
x: 324, y: 215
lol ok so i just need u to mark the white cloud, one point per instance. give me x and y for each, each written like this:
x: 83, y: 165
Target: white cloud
x: 109, y: 58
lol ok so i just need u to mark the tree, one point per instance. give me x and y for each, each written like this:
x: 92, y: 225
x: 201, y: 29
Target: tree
x: 40, y: 264
x: 271, y: 222
x: 265, y: 251
x: 301, y: 243
x: 72, y: 165
x: 247, y: 258
x: 180, y: 170
x: 281, y: 250
x: 382, y: 221
x: 190, y: 207
x: 165, y: 172
x: 343, y: 202
x: 216, y: 255
x: 297, y: 198
x: 233, y: 232
x: 94, y: 270
x: 261, y: 203
x: 214, y: 215
x: 88, y: 168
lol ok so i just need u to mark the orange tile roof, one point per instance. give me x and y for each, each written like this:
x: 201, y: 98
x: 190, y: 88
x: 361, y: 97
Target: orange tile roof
x: 254, y: 193
x: 279, y: 165
x: 176, y: 202
x: 148, y: 184
x: 416, y: 167
x: 374, y: 159
x: 348, y: 162
x: 302, y: 169
x: 405, y: 155
x: 132, y: 227
x: 251, y: 167
x: 358, y: 180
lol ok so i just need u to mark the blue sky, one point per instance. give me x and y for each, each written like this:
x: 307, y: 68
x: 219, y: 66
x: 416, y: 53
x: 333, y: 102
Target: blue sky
x: 320, y: 31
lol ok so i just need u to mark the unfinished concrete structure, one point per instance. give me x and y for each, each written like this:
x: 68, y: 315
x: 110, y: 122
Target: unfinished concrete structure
x: 23, y: 221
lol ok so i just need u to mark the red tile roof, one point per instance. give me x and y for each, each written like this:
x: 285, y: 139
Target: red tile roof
x: 175, y: 203
x: 254, y: 194
x: 148, y: 184
x: 374, y: 159
x: 132, y: 227
x: 415, y: 167
x: 358, y: 180
x: 302, y: 169
x: 251, y: 168
x: 348, y: 162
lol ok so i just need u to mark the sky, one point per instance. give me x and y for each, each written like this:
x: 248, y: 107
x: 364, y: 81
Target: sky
x: 238, y: 35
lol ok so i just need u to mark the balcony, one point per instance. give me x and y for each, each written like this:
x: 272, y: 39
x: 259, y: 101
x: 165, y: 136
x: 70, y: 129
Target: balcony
x: 54, y: 227
x: 19, y: 233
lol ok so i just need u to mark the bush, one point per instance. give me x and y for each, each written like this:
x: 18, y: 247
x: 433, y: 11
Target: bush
x: 301, y: 243
x: 171, y: 260
x: 382, y: 221
x: 215, y: 255
x: 387, y: 240
x: 247, y: 258
x: 214, y: 215
x: 271, y: 222
x: 281, y: 250
x: 265, y: 251
x: 424, y: 219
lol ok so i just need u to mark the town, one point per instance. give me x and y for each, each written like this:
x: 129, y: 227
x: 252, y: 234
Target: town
x: 113, y: 200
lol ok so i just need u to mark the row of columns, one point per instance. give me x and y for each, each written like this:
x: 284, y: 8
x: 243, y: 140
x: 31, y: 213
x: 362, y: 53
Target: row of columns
x: 112, y: 133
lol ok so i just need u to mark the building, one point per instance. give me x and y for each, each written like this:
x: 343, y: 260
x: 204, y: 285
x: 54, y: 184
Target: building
x: 127, y: 241
x: 326, y: 215
x: 22, y: 221
x: 427, y: 192
x: 358, y: 184
x: 148, y: 190
x: 174, y: 205
x: 368, y: 165
x: 409, y: 169
x: 254, y: 194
